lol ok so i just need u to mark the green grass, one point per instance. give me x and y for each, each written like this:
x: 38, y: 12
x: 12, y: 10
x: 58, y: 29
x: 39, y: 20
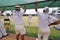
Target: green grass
x: 55, y: 34
x: 33, y: 29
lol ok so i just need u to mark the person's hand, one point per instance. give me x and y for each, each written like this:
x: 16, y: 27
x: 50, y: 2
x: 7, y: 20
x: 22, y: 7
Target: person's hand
x: 49, y: 25
x: 24, y: 7
x: 35, y: 2
x: 25, y: 4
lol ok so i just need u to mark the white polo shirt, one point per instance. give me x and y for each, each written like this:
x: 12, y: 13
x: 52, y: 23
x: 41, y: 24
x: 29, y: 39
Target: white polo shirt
x: 44, y: 19
x: 18, y: 17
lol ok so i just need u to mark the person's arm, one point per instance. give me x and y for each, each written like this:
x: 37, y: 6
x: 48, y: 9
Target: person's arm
x: 52, y: 20
x: 3, y: 9
x: 55, y: 23
x: 24, y: 8
x: 36, y: 6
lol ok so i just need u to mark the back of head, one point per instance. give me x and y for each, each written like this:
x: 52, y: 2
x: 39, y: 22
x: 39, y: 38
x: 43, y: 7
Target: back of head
x: 46, y: 9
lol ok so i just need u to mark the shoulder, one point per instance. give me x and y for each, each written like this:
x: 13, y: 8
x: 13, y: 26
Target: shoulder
x: 38, y: 12
x: 22, y: 11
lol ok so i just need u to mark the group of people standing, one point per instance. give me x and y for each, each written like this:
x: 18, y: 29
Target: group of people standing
x: 44, y: 22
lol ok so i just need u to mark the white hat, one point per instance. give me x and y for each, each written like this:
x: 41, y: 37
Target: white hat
x: 46, y: 8
x: 17, y: 5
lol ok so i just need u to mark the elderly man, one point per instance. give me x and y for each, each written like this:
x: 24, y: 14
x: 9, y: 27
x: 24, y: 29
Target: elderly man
x: 18, y: 20
x: 44, y: 23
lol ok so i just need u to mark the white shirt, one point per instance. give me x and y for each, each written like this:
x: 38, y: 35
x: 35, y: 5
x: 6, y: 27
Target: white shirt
x: 29, y: 17
x: 18, y: 17
x: 43, y: 19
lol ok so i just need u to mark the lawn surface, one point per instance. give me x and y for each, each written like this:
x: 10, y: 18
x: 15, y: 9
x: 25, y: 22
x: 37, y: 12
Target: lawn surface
x: 32, y: 30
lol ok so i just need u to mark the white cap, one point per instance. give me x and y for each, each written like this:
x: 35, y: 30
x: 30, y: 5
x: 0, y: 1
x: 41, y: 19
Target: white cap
x: 17, y: 5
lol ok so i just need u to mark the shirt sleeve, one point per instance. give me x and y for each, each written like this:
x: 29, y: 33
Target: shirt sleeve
x: 53, y: 19
x: 22, y: 12
x: 39, y: 13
